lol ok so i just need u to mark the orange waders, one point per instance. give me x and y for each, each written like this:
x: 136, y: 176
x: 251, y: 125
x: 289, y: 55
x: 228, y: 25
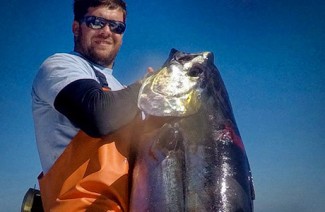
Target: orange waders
x: 90, y: 175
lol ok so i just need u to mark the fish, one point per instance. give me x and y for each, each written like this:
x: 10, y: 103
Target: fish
x: 188, y: 154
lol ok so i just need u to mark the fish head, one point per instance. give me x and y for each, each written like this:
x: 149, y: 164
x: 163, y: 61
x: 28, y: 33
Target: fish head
x: 176, y: 88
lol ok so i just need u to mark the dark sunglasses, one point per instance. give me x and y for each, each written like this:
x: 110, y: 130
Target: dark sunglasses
x: 95, y: 22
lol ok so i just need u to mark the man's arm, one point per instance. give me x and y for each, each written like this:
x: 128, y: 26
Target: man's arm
x: 95, y: 111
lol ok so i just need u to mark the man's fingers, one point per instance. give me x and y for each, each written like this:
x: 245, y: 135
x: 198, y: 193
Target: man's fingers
x: 150, y: 70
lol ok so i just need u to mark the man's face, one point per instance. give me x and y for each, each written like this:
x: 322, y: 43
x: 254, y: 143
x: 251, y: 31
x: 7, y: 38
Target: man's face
x: 99, y: 45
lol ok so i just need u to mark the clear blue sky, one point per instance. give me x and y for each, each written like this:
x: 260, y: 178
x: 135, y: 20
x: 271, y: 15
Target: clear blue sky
x: 270, y: 54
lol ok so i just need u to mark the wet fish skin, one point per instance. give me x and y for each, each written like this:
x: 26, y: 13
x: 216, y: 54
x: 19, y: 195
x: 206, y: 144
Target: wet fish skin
x: 160, y: 159
x: 209, y: 165
x: 223, y: 150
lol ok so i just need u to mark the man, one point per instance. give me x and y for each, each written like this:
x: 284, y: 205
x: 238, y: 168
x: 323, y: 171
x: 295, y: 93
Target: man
x: 81, y: 115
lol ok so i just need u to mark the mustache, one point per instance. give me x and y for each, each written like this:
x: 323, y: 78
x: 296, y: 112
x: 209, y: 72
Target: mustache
x: 104, y: 36
x: 104, y: 39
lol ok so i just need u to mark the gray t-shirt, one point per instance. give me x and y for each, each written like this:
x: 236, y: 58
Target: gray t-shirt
x: 52, y: 129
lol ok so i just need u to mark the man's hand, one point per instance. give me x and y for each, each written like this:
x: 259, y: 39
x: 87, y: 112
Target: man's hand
x: 150, y: 70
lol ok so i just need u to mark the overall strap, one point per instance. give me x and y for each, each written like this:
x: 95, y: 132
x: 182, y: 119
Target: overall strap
x: 102, y: 79
x: 100, y: 76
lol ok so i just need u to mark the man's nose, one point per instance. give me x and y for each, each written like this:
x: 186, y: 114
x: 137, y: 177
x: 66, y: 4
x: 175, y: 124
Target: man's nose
x: 106, y: 30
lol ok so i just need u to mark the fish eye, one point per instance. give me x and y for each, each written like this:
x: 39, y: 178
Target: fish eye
x: 194, y: 72
x: 186, y: 58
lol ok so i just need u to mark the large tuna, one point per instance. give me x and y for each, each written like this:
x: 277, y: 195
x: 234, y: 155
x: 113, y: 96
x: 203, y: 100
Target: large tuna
x: 190, y: 156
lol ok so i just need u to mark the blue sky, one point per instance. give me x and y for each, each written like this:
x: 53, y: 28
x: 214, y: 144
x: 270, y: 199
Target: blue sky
x: 270, y: 54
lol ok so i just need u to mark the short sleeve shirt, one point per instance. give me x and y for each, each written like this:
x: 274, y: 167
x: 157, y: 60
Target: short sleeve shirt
x: 52, y: 129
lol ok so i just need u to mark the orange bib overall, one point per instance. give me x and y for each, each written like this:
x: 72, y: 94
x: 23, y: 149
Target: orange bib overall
x: 90, y: 175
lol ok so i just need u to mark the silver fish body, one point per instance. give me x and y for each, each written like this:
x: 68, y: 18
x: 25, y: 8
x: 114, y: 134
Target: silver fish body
x: 189, y: 156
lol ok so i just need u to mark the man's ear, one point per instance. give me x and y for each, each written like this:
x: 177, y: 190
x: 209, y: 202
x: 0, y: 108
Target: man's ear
x: 75, y: 28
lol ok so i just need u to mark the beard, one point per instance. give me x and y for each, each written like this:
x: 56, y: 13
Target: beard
x: 101, y: 56
x: 101, y: 59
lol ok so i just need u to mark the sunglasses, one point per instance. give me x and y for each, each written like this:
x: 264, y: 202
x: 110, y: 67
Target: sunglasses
x: 95, y: 22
